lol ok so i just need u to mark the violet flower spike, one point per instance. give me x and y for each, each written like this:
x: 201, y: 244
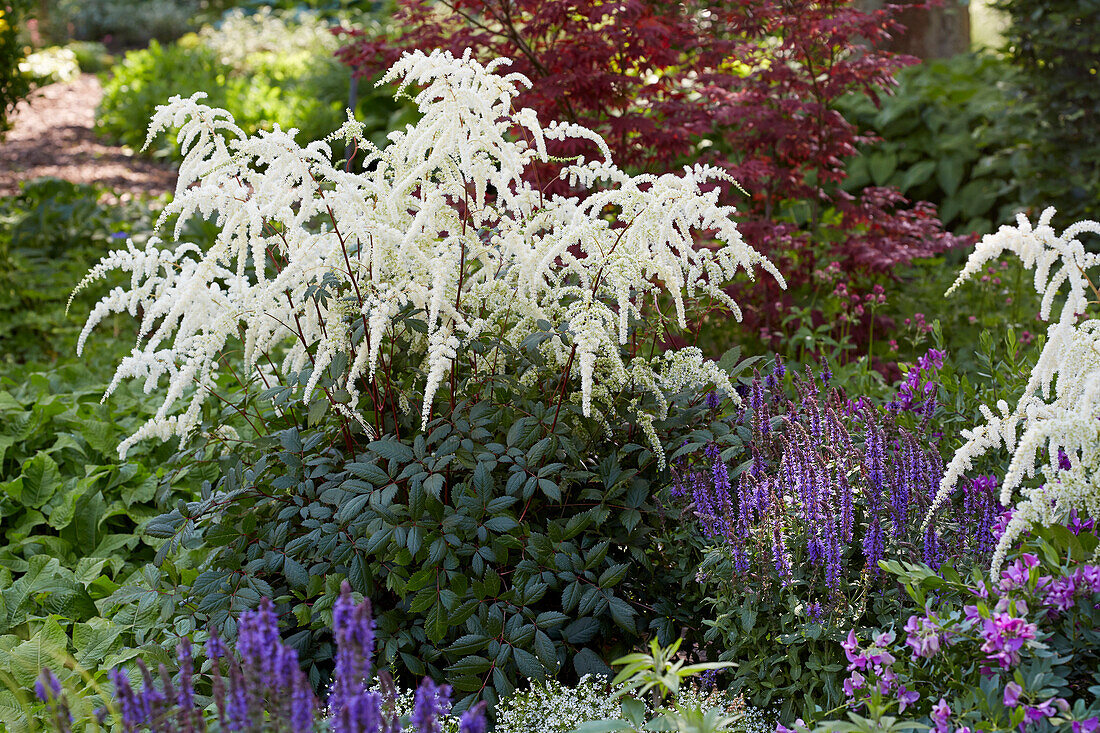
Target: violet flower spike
x: 430, y: 703
x: 129, y: 706
x: 185, y: 696
x: 473, y: 720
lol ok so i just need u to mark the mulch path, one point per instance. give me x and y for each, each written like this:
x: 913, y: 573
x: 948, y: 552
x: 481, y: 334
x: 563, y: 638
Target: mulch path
x: 52, y: 136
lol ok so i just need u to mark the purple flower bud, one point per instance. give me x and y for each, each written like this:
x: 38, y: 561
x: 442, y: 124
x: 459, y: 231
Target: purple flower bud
x: 430, y: 703
x: 185, y: 697
x: 473, y: 720
x: 713, y: 402
x: 215, y: 649
x: 129, y: 706
x: 1012, y: 694
x: 47, y: 686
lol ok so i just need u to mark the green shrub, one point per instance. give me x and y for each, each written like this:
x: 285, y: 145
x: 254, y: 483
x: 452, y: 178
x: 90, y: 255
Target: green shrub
x: 91, y: 56
x: 953, y: 134
x: 71, y: 518
x: 126, y: 23
x: 14, y: 84
x: 505, y: 542
x: 263, y: 69
x: 1057, y: 48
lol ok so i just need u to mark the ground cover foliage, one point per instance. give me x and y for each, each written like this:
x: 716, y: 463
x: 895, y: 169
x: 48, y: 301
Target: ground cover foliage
x: 519, y: 526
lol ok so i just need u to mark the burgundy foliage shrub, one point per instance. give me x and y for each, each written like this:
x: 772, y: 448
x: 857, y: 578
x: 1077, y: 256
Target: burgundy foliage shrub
x: 747, y: 85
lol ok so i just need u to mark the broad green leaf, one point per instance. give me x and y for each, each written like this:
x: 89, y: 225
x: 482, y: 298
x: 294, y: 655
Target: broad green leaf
x: 882, y: 165
x: 917, y: 174
x: 13, y: 489
x: 139, y: 492
x: 41, y: 480
x: 93, y: 641
x: 63, y: 509
x: 45, y: 649
x: 14, y: 713
x: 949, y: 173
x: 528, y: 664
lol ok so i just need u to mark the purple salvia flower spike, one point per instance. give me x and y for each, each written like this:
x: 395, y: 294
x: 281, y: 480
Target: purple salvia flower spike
x: 130, y: 708
x: 185, y: 696
x: 430, y: 703
x: 237, y: 704
x: 713, y: 401
x: 473, y: 720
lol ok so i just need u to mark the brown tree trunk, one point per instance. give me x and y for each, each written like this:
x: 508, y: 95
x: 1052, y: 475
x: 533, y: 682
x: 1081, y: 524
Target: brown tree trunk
x: 930, y: 33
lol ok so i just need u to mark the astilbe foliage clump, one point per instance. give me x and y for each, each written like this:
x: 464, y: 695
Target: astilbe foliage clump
x: 747, y: 87
x: 803, y: 498
x: 424, y: 247
x: 264, y: 689
x: 504, y: 543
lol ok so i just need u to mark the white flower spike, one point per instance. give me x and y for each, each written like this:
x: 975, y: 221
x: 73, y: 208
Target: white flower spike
x: 442, y: 221
x: 1052, y: 433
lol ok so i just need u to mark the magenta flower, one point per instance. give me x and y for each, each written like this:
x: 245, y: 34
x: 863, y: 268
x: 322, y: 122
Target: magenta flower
x: 856, y: 661
x: 1091, y: 725
x: 1003, y: 636
x: 1060, y: 593
x: 1016, y: 575
x: 1012, y: 694
x: 853, y: 683
x: 906, y: 698
x: 923, y: 635
x: 1088, y: 575
x: 941, y: 714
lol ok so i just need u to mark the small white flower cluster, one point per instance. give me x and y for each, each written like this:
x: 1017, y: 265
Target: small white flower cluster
x: 441, y: 221
x: 51, y: 65
x: 1057, y: 421
x: 552, y: 707
x: 239, y: 35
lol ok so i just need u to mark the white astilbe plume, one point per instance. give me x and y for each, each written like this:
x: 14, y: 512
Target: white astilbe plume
x: 317, y: 265
x: 1059, y: 413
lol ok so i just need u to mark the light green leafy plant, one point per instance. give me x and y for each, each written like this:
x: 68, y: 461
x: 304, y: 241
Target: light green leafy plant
x: 660, y: 670
x: 660, y: 673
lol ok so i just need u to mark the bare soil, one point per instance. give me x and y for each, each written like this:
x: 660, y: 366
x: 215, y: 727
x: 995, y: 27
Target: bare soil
x: 53, y: 136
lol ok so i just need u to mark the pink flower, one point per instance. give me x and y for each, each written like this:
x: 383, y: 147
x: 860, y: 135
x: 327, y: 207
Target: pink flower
x: 1003, y: 636
x: 1060, y: 594
x: 1090, y: 575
